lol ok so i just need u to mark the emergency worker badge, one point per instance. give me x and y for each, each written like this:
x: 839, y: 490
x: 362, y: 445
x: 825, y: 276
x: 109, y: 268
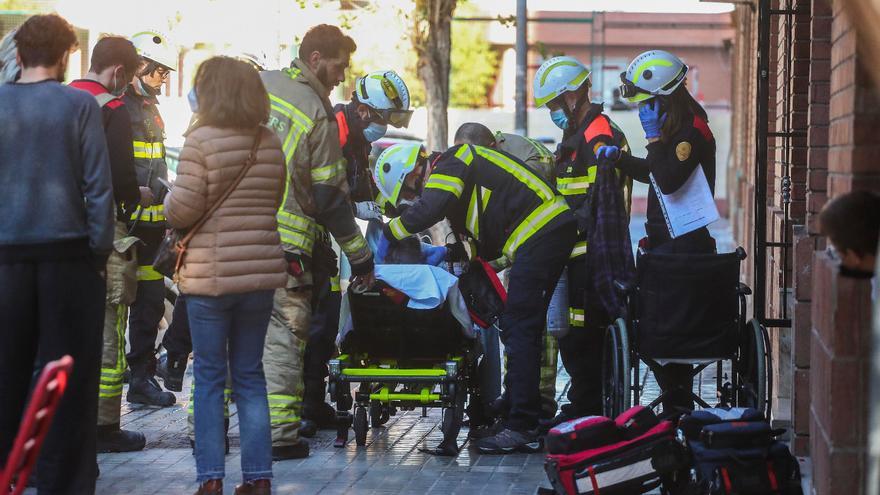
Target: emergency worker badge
x: 683, y: 151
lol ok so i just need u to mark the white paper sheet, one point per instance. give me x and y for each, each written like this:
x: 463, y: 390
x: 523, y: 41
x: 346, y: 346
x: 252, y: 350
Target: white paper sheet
x: 690, y: 207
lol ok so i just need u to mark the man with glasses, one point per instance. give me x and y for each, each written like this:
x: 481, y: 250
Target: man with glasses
x: 158, y: 59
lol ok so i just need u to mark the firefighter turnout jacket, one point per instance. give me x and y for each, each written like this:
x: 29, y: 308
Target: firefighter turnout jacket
x: 148, y: 141
x: 576, y: 166
x: 488, y: 196
x: 316, y: 192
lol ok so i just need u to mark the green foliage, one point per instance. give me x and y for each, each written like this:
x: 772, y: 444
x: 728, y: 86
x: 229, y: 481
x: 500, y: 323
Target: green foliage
x: 26, y: 5
x: 474, y: 65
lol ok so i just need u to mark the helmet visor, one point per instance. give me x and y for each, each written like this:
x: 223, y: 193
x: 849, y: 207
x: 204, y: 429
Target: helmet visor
x: 632, y: 92
x: 397, y: 118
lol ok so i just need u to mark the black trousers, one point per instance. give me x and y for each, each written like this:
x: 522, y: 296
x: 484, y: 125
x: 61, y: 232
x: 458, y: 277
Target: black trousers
x: 49, y: 309
x: 581, y: 348
x: 149, y: 304
x: 533, y: 276
x: 177, y: 339
x: 322, y: 342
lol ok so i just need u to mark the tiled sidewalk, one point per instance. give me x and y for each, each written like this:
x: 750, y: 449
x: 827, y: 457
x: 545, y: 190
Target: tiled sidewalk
x: 390, y: 463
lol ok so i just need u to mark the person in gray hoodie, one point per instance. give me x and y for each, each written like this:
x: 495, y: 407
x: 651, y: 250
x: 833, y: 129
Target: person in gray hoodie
x: 56, y: 231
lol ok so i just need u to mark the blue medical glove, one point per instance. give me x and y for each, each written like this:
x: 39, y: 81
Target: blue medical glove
x: 652, y: 117
x: 609, y: 152
x: 433, y: 255
x: 382, y: 245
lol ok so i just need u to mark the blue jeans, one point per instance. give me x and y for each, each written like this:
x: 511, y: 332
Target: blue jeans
x: 236, y: 322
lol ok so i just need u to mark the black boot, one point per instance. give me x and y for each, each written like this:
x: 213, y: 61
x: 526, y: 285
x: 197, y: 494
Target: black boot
x: 113, y: 439
x: 144, y: 389
x: 321, y: 414
x: 170, y: 368
x: 299, y: 450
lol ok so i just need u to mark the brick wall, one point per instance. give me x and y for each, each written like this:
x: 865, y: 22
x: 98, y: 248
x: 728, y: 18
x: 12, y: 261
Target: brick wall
x: 831, y: 101
x: 805, y: 236
x: 841, y: 309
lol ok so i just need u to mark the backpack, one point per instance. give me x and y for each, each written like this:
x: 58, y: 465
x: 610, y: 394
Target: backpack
x: 734, y: 451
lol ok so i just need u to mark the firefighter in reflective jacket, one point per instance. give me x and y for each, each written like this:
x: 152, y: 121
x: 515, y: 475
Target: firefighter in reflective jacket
x: 538, y: 158
x: 315, y: 203
x: 507, y: 210
x: 563, y: 85
x: 380, y: 99
x: 158, y: 59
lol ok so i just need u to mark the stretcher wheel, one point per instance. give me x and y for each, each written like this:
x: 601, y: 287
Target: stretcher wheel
x: 752, y: 367
x: 360, y: 425
x: 616, y: 370
x: 379, y: 414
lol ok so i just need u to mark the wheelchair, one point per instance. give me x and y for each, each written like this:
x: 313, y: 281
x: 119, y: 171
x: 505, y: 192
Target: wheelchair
x: 688, y: 309
x: 401, y: 359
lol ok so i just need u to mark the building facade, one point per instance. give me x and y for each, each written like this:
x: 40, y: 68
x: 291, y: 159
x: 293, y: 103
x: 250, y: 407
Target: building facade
x: 805, y: 129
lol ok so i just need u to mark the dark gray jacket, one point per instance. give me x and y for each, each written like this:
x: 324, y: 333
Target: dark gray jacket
x: 55, y: 181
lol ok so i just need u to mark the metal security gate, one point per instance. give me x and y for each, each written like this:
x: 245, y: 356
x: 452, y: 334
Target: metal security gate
x: 766, y: 242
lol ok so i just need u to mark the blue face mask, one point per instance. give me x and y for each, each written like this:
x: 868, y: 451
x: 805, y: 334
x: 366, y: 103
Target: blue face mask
x: 559, y: 118
x: 193, y: 100
x: 374, y: 131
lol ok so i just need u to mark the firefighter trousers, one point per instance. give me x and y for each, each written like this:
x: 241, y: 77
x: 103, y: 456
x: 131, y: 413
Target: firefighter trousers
x: 283, y: 362
x: 539, y: 263
x: 149, y: 304
x: 581, y: 348
x: 121, y: 287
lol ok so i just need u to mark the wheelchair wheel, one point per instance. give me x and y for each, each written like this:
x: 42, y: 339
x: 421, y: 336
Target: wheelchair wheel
x: 753, y: 368
x: 360, y: 425
x: 616, y: 370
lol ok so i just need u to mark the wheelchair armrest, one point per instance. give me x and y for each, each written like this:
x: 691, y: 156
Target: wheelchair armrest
x: 743, y: 289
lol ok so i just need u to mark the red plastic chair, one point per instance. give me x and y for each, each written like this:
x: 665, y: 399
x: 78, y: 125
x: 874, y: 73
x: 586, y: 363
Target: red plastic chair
x: 35, y: 424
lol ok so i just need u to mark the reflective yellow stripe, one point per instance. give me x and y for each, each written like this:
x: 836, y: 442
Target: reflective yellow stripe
x: 576, y: 185
x: 576, y: 317
x: 296, y: 230
x: 296, y: 239
x: 533, y: 223
x: 472, y: 220
x: 328, y: 173
x: 147, y: 273
x: 293, y: 221
x: 523, y: 174
x: 465, y: 154
x: 448, y: 183
x: 354, y: 245
x: 154, y: 213
x: 334, y: 284
x: 146, y: 149
x: 580, y: 249
x: 397, y: 229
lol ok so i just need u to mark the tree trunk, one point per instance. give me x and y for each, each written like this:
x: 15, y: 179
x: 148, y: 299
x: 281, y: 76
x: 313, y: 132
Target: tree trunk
x: 432, y: 40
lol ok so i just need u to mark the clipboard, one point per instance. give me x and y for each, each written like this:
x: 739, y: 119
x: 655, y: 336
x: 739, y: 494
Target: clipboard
x: 689, y: 208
